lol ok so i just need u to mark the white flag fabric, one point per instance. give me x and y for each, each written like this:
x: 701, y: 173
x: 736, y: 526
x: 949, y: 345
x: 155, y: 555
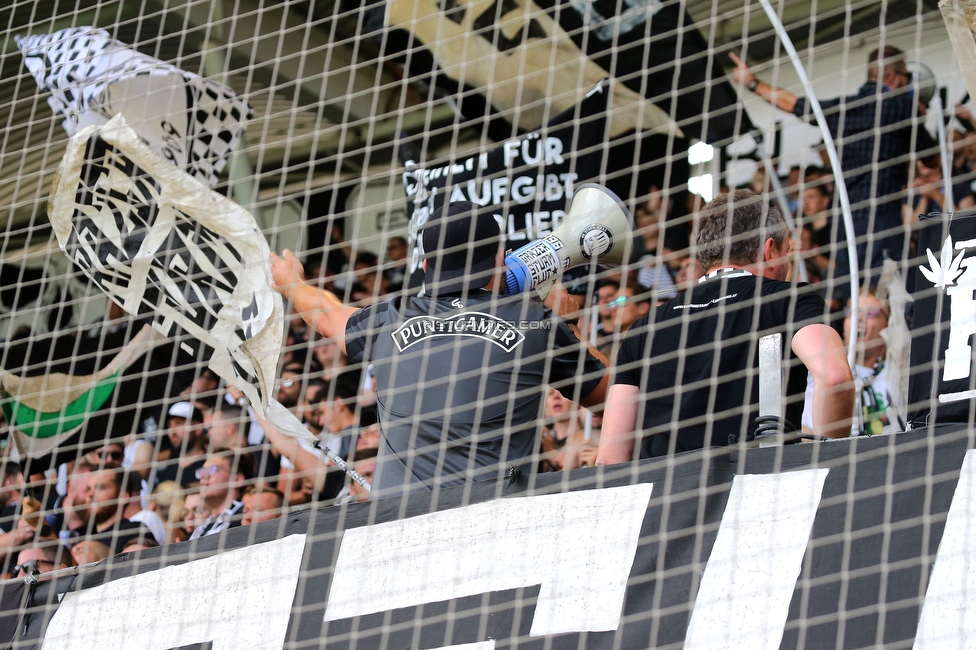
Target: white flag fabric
x: 193, y: 122
x: 160, y: 243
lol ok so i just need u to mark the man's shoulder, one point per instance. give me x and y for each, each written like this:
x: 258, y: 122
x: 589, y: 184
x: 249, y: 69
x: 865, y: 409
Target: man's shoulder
x: 372, y: 315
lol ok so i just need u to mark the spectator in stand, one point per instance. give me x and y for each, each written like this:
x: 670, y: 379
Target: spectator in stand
x: 167, y: 501
x: 139, y: 544
x: 606, y: 291
x: 202, y: 391
x: 38, y: 560
x: 222, y: 479
x: 71, y: 509
x: 194, y: 512
x: 88, y: 550
x: 290, y: 385
x: 928, y: 192
x: 186, y: 432
x: 109, y: 455
x: 261, y: 503
x: 310, y: 412
x: 689, y: 273
x: 229, y: 430
x: 881, y: 129
x: 132, y: 509
x: 557, y: 428
x: 564, y: 444
x: 629, y: 306
x: 870, y: 369
x: 14, y: 530
x: 329, y: 355
x: 339, y: 422
x: 792, y: 189
x: 364, y: 462
x: 654, y: 272
x: 368, y: 434
x: 396, y: 263
x: 108, y: 498
x: 366, y: 273
x: 818, y: 230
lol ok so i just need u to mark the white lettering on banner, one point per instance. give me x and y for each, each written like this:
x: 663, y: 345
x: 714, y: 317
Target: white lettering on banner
x: 956, y: 274
x: 948, y: 617
x: 481, y: 645
x: 744, y: 597
x: 578, y: 546
x: 237, y: 599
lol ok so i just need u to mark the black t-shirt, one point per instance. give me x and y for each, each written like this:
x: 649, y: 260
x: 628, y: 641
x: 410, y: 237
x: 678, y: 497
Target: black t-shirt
x: 9, y: 516
x: 460, y: 381
x: 699, y: 362
x: 119, y: 535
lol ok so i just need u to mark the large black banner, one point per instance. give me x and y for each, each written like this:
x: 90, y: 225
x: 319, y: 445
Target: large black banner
x: 858, y: 543
x: 942, y: 387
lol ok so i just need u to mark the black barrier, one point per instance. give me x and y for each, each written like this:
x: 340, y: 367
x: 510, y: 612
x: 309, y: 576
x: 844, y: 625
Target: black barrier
x: 862, y: 581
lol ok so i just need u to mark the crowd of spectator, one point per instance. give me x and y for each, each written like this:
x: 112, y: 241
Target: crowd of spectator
x: 211, y: 463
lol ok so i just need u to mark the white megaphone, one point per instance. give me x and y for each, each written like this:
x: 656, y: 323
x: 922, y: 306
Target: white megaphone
x: 596, y: 229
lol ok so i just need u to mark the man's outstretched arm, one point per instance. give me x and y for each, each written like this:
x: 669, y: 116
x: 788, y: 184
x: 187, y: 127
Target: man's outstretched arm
x: 781, y: 99
x: 822, y: 351
x: 319, y: 308
x: 619, y: 425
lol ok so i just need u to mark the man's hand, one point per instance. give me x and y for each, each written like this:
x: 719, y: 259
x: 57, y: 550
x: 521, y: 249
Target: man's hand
x: 25, y: 532
x: 561, y: 303
x: 287, y: 272
x: 742, y: 74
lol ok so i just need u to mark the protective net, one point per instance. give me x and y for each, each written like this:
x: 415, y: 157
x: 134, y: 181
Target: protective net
x: 483, y: 324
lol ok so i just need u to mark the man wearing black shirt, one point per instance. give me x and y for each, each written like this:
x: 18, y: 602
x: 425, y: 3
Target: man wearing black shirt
x: 692, y: 371
x: 460, y: 373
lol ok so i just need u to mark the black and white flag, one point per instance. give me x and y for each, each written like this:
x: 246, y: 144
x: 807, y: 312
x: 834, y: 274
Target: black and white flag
x: 193, y: 122
x: 162, y: 244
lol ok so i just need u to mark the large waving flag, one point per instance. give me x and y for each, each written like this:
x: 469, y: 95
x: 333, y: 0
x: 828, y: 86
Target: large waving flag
x: 163, y: 245
x: 191, y: 121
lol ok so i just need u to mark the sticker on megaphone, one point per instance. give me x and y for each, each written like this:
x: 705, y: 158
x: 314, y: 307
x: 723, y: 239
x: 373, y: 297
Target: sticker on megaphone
x: 597, y: 227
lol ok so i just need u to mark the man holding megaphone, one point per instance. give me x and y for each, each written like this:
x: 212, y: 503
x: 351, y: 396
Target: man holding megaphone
x: 461, y: 371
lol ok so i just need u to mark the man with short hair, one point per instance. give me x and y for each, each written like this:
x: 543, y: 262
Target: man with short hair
x: 229, y: 429
x: 261, y: 503
x: 337, y: 408
x: 629, y: 306
x: 364, y: 462
x: 107, y: 498
x: 38, y: 560
x: 187, y: 435
x: 691, y: 366
x: 222, y: 479
x: 881, y: 134
x: 290, y: 385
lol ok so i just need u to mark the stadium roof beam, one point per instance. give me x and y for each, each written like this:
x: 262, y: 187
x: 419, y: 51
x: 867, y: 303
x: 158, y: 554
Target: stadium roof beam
x: 308, y: 59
